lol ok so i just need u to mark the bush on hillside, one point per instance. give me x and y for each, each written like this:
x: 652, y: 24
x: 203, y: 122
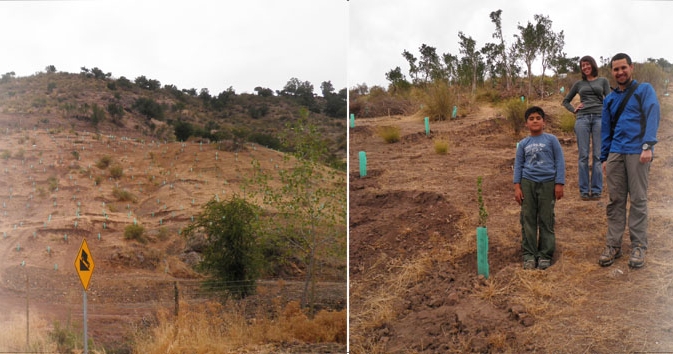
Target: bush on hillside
x: 116, y: 171
x: 149, y: 108
x: 135, y: 232
x: 104, y: 162
x: 514, y: 112
x: 439, y: 101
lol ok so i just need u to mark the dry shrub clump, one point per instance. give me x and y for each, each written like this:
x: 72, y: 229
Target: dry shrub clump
x: 216, y: 328
x: 439, y: 101
x: 441, y: 146
x: 13, y: 334
x: 567, y: 122
x: 390, y: 134
x: 514, y: 113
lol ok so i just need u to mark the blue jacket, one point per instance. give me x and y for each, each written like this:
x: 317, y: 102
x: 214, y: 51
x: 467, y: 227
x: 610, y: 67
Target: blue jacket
x: 626, y: 138
x: 540, y: 159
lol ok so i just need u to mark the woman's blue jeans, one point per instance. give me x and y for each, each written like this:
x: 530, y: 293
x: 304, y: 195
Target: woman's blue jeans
x: 588, y: 133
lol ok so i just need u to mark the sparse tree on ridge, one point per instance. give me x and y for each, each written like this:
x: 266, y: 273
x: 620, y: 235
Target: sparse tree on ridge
x: 499, y: 50
x: 471, y: 58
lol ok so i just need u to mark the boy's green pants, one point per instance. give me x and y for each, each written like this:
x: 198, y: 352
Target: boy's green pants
x: 537, y: 214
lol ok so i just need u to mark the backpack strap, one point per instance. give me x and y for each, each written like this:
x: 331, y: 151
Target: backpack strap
x: 620, y: 109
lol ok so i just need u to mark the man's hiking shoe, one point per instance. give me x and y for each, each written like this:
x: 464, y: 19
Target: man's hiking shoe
x: 543, y: 264
x: 637, y: 258
x: 529, y: 264
x: 609, y: 255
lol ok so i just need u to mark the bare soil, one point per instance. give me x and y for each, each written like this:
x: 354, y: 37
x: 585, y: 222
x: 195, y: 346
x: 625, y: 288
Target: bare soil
x: 41, y: 228
x: 414, y: 286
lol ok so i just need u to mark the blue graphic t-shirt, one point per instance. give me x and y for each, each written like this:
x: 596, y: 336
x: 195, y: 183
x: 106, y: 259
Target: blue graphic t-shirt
x: 539, y: 159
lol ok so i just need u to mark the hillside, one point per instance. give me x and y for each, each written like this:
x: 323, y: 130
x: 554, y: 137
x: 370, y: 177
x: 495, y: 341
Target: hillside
x: 54, y: 192
x: 414, y: 286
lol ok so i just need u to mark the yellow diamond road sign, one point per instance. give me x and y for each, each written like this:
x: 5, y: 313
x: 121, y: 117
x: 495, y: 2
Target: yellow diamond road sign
x: 84, y: 264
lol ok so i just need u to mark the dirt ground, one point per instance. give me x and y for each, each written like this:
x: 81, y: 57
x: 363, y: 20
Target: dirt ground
x: 414, y: 286
x: 41, y: 227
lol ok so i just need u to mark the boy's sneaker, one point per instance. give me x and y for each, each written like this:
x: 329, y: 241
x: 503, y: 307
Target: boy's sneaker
x: 609, y: 255
x: 543, y: 264
x: 596, y: 196
x: 585, y: 196
x: 637, y: 259
x: 529, y: 264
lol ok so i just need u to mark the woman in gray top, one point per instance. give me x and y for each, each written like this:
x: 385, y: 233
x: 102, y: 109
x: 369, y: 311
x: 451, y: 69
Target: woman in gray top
x: 592, y: 90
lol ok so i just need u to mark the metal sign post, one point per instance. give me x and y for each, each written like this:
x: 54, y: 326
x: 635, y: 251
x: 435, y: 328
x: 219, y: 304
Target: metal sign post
x: 84, y: 266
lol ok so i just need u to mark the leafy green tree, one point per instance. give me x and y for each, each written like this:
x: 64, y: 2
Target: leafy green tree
x: 413, y: 67
x: 7, y: 77
x: 302, y: 91
x: 471, y: 62
x: 502, y: 66
x: 398, y: 82
x: 183, y: 130
x: 264, y: 92
x: 551, y: 45
x: 310, y: 204
x: 149, y: 107
x: 99, y: 74
x: 231, y: 252
x: 326, y: 88
x: 335, y: 105
x: 429, y: 63
x: 97, y: 115
x: 124, y: 83
x: 50, y: 69
x: 147, y: 84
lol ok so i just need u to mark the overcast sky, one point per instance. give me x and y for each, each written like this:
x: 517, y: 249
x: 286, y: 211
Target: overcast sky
x: 188, y: 43
x: 380, y: 30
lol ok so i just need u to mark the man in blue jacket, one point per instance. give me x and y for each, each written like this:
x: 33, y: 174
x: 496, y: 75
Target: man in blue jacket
x: 627, y: 151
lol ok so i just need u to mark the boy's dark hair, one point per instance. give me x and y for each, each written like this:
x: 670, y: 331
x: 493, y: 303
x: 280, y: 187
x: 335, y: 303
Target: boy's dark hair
x: 594, y: 67
x: 534, y: 109
x: 620, y: 56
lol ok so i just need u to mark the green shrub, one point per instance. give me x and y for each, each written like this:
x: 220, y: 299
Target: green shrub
x: 104, y: 162
x: 97, y: 115
x: 123, y: 195
x: 53, y: 183
x: 514, y: 112
x: 149, y: 107
x: 441, y: 147
x: 567, y: 122
x: 439, y: 101
x: 116, y: 171
x: 390, y: 134
x: 135, y: 232
x: 65, y: 338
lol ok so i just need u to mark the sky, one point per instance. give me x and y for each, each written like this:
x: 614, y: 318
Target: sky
x: 197, y: 44
x: 380, y: 30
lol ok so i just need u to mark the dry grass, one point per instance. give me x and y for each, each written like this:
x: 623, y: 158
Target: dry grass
x: 13, y: 334
x: 381, y: 305
x: 567, y: 122
x: 216, y: 328
x: 390, y: 134
x: 441, y: 146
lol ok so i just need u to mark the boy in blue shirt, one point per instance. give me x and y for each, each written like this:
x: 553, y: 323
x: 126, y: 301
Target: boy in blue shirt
x: 539, y: 176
